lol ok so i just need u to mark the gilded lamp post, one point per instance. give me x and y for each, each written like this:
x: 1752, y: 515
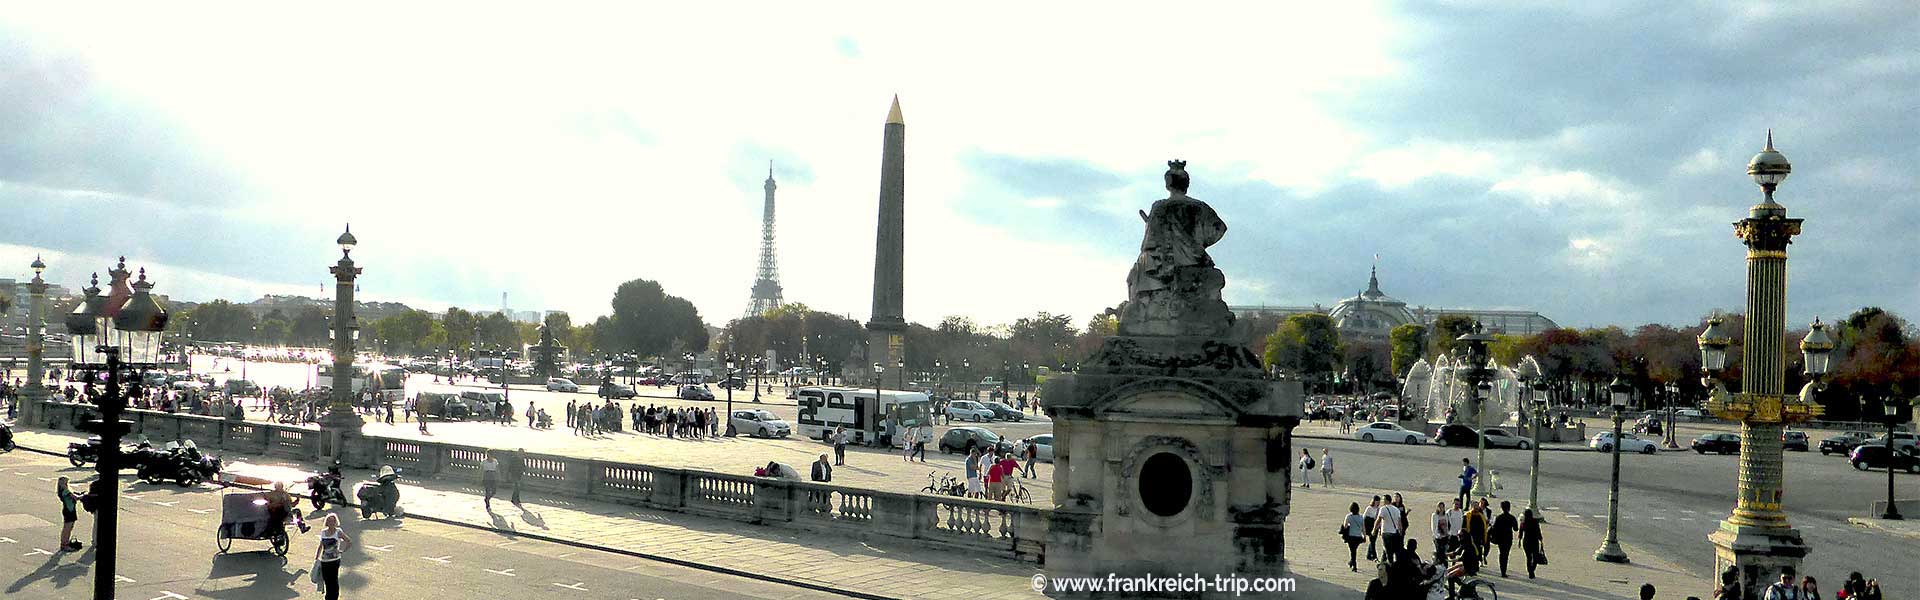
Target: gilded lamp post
x: 1756, y: 541
x: 340, y: 420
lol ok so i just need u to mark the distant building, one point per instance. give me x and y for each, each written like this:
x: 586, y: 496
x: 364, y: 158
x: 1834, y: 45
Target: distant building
x: 1373, y: 314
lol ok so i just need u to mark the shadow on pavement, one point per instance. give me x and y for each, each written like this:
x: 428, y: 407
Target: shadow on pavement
x: 53, y: 570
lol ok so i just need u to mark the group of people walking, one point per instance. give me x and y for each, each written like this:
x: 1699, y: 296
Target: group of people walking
x: 1464, y: 537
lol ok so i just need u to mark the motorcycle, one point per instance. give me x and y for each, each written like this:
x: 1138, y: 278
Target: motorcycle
x: 181, y: 463
x: 325, y: 487
x: 381, y: 495
x: 84, y: 453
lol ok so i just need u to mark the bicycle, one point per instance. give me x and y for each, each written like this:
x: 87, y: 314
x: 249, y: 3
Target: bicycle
x: 946, y: 485
x: 1017, y: 492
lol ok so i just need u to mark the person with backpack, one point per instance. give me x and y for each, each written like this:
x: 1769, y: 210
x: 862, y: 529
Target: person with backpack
x: 1306, y: 468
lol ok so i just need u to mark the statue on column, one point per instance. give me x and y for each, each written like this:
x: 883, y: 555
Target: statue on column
x: 1174, y: 289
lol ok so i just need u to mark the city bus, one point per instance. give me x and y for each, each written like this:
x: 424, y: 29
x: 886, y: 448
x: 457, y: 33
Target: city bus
x: 867, y: 421
x: 388, y: 382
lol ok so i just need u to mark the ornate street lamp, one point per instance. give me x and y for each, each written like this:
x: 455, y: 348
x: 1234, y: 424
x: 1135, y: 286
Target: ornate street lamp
x: 34, y: 392
x: 731, y: 357
x: 1540, y: 395
x: 1892, y: 412
x: 901, y: 365
x: 878, y: 371
x: 340, y: 417
x: 1620, y: 393
x: 111, y: 336
x: 1478, y: 374
x: 1527, y: 375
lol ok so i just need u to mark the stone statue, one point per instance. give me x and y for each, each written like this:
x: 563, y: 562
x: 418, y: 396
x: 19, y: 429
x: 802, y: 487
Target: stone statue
x: 1174, y: 289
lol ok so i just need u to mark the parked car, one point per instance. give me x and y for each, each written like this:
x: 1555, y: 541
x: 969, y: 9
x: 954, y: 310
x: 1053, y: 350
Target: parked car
x: 1689, y: 412
x: 968, y: 410
x: 1901, y: 439
x: 1461, y: 435
x: 1869, y: 456
x: 615, y: 391
x: 695, y: 392
x: 760, y: 423
x: 1383, y: 431
x: 1793, y: 440
x: 1604, y: 442
x: 1045, y: 442
x: 562, y: 384
x: 733, y: 383
x: 1003, y: 412
x: 1844, y: 443
x: 964, y: 439
x: 242, y: 387
x: 1723, y: 443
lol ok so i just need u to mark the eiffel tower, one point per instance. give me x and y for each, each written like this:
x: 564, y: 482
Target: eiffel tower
x: 766, y: 280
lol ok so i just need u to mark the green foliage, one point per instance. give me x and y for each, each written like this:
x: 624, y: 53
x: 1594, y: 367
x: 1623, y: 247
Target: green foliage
x: 1446, y: 333
x: 406, y: 333
x: 219, y: 321
x: 649, y: 322
x: 1409, y: 342
x: 460, y: 327
x: 310, y: 327
x: 1307, y: 344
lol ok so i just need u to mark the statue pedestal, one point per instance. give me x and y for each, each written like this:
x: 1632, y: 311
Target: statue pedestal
x: 1171, y: 455
x: 1759, y: 554
x: 337, y: 430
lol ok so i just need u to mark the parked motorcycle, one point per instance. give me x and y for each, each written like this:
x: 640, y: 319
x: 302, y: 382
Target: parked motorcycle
x: 84, y: 453
x: 382, y: 495
x: 326, y: 487
x: 181, y: 463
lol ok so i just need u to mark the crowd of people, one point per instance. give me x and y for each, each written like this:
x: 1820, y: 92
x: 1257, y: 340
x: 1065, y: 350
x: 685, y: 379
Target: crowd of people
x: 667, y: 421
x: 1463, y: 538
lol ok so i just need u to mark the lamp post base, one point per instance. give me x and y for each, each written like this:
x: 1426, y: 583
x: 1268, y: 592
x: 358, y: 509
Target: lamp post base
x: 1759, y: 554
x: 1611, y: 552
x: 1892, y: 516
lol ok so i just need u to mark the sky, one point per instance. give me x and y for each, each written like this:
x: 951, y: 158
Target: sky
x: 1584, y: 160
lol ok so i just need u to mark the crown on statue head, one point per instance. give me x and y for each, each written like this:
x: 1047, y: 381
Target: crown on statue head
x: 1177, y: 165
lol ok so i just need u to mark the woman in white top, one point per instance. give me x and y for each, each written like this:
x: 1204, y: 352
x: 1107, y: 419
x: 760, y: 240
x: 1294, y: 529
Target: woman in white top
x: 333, y: 543
x: 1326, y: 468
x: 1438, y: 526
x: 1354, y: 532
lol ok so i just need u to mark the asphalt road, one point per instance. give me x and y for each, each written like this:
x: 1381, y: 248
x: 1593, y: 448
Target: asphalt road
x: 1670, y: 501
x: 167, y: 552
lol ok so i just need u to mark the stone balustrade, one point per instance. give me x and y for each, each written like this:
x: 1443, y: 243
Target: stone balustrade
x: 963, y: 524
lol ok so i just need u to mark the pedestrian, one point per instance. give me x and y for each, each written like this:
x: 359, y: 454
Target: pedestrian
x: 389, y: 404
x: 1437, y: 527
x: 529, y: 414
x: 1467, y: 473
x: 571, y: 423
x: 1784, y: 589
x: 1390, y: 525
x: 973, y: 473
x: 69, y: 514
x: 489, y: 480
x: 516, y: 471
x: 1854, y: 587
x: 1353, y: 532
x: 326, y: 558
x: 1306, y: 468
x: 1809, y: 589
x: 906, y: 445
x: 1647, y: 591
x: 1531, y: 543
x: 1873, y: 590
x: 822, y: 471
x: 920, y: 439
x: 1501, y: 535
x: 1373, y: 536
x: 1474, y: 537
x: 1456, y: 528
x: 1326, y: 468
x: 1033, y: 456
x: 996, y: 479
x: 840, y: 444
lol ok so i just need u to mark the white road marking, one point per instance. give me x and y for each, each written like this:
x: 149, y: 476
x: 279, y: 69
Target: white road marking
x: 23, y: 474
x: 38, y: 551
x: 386, y: 548
x: 505, y: 544
x: 130, y: 496
x: 123, y: 579
x: 46, y: 479
x: 1686, y: 511
x: 506, y: 572
x: 1659, y: 518
x: 442, y: 560
x: 1573, y: 516
x: 1553, y: 508
x: 1599, y: 516
x: 197, y: 511
x: 8, y: 540
x: 578, y: 586
x: 1686, y: 518
x: 166, y: 595
x: 168, y: 504
x: 568, y: 554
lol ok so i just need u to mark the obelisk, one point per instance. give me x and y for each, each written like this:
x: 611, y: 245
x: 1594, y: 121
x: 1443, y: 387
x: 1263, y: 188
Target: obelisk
x: 887, y: 329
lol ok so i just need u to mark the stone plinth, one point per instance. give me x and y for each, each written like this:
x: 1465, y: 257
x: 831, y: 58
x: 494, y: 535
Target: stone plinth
x: 1171, y: 456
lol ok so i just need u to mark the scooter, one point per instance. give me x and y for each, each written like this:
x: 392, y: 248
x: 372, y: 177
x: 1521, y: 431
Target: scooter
x: 381, y: 495
x: 325, y: 487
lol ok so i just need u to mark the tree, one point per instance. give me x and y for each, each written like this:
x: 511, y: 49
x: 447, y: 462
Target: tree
x: 1043, y: 339
x: 1307, y: 344
x: 310, y: 327
x: 460, y: 327
x: 1409, y: 342
x: 273, y: 330
x: 405, y: 333
x: 1446, y: 332
x: 649, y: 322
x: 222, y: 321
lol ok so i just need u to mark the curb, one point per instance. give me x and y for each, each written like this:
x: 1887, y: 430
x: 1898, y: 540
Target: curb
x: 587, y: 546
x: 1869, y: 523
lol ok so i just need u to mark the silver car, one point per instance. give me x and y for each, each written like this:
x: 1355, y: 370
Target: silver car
x: 760, y: 423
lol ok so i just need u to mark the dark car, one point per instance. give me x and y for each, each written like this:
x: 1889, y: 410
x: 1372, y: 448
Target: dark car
x: 1793, y: 440
x: 734, y: 383
x: 694, y: 392
x: 1843, y: 443
x: 1723, y: 443
x: 964, y: 439
x: 1455, y: 434
x: 616, y: 391
x: 1003, y: 412
x: 1875, y: 457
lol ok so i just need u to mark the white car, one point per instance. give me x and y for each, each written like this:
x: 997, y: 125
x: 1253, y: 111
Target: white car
x: 1044, y: 441
x: 1603, y: 442
x: 1689, y: 412
x: 760, y: 423
x: 968, y: 410
x: 562, y: 384
x: 1382, y: 431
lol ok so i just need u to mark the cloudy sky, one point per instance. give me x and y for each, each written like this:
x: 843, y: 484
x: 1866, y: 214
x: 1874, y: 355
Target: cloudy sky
x: 1584, y: 161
